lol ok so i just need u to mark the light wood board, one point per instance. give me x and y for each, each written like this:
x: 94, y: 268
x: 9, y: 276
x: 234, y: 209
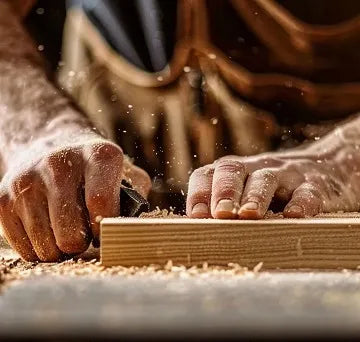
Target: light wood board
x: 318, y: 243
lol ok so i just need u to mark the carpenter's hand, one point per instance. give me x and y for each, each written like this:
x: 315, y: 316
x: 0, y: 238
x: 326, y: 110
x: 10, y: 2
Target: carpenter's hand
x: 306, y: 183
x: 51, y: 200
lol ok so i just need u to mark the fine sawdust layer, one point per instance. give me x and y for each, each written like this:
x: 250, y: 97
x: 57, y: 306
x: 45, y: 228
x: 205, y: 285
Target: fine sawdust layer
x: 13, y: 270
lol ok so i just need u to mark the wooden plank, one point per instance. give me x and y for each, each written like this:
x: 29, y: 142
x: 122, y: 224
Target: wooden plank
x: 320, y: 243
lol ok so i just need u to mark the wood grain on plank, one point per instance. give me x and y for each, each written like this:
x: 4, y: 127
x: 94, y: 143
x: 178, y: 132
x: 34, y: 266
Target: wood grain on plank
x: 318, y: 243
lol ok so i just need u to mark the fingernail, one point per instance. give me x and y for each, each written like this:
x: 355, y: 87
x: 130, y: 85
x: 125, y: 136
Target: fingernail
x: 226, y: 205
x: 200, y: 209
x: 250, y: 206
x: 296, y: 209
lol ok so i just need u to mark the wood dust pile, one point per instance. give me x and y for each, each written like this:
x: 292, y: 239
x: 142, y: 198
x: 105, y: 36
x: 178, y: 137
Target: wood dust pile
x: 12, y: 270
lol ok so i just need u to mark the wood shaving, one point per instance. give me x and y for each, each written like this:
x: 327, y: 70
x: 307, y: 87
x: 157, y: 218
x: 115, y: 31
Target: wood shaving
x: 160, y: 213
x: 258, y: 267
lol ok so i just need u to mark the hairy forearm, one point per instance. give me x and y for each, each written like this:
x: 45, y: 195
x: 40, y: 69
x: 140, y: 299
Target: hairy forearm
x: 29, y: 102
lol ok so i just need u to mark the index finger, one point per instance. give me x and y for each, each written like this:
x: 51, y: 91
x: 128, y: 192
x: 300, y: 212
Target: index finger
x: 228, y: 184
x: 103, y: 177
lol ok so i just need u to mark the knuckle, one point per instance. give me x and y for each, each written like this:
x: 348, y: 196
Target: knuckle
x: 227, y: 192
x: 199, y: 197
x: 26, y: 182
x: 61, y: 167
x: 226, y: 188
x: 56, y: 181
x: 227, y: 158
x: 266, y: 174
x: 64, y: 158
x: 230, y: 166
x: 228, y: 179
x: 311, y: 191
x: 108, y: 153
x: 204, y: 171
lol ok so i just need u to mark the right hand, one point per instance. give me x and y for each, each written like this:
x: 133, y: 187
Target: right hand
x: 52, y: 199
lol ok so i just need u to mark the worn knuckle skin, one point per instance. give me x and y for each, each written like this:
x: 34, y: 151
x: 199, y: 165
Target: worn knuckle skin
x: 201, y: 172
x: 63, y: 159
x: 200, y: 185
x: 314, y: 190
x: 24, y: 183
x: 221, y: 191
x: 61, y: 167
x: 108, y: 153
x: 230, y: 166
x: 265, y: 174
x: 199, y: 178
x: 259, y: 182
x: 199, y: 196
x: 228, y: 179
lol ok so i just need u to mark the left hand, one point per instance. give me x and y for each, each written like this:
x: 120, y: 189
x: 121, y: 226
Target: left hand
x: 306, y: 182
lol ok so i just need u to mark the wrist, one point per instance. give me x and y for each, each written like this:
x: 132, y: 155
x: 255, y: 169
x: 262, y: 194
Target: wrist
x: 68, y: 128
x: 341, y: 146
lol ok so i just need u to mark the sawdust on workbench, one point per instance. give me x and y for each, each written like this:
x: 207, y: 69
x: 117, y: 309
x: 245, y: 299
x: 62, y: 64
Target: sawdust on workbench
x: 14, y: 270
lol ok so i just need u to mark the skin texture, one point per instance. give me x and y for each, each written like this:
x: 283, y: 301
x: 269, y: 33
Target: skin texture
x: 322, y: 177
x: 59, y: 175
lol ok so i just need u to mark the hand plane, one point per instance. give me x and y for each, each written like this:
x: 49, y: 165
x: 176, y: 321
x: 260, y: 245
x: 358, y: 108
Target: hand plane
x: 132, y: 204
